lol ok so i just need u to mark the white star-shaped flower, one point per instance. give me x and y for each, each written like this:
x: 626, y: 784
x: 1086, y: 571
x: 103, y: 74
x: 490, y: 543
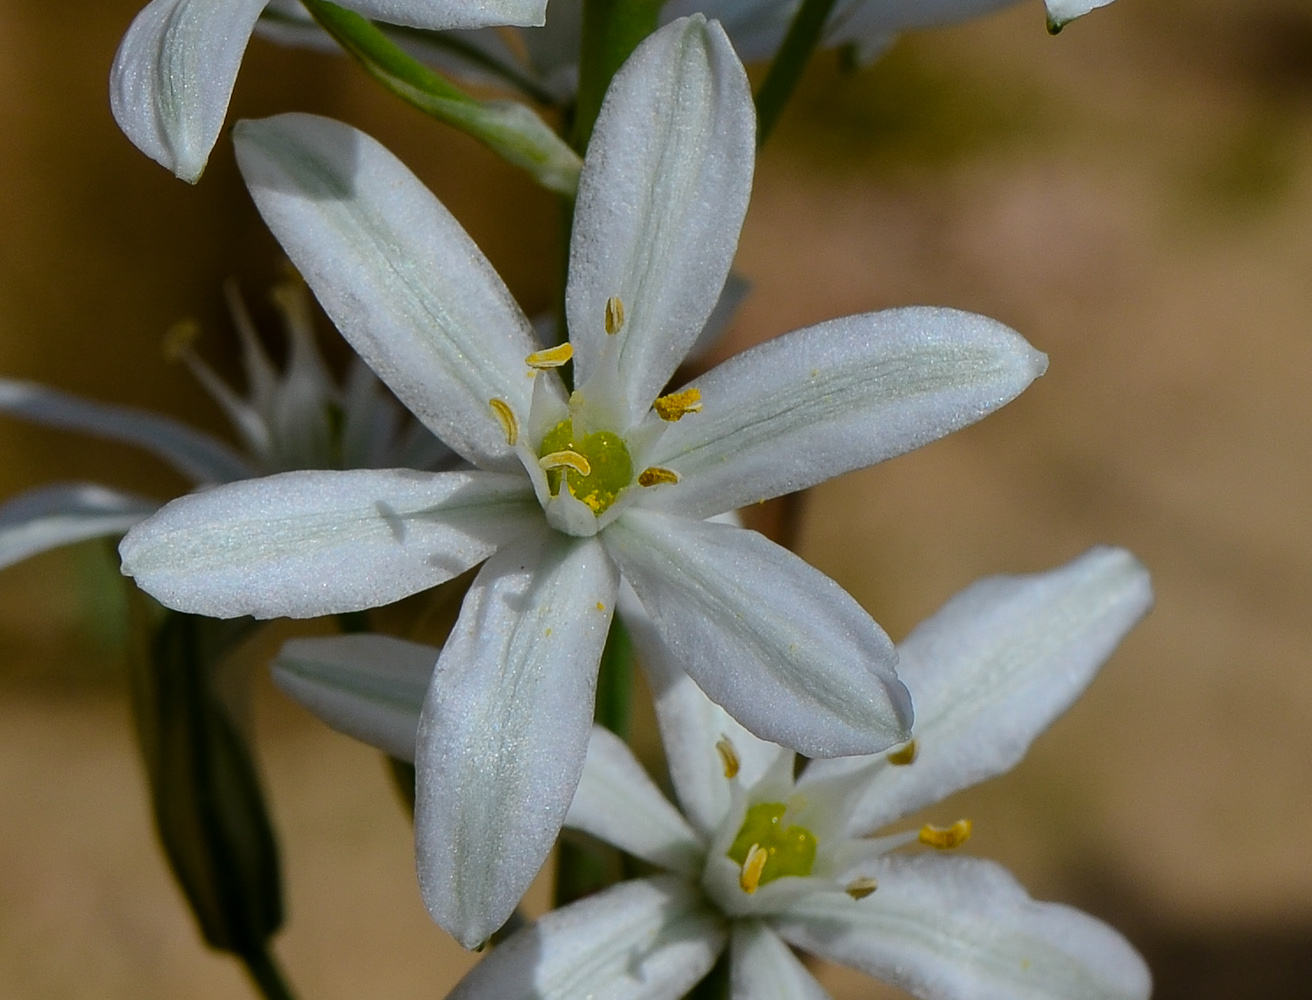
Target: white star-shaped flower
x: 757, y: 859
x: 298, y: 418
x: 175, y: 68
x: 570, y: 490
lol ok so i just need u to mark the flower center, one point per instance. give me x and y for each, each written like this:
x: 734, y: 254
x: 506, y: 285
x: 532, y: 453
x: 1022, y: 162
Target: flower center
x: 768, y: 850
x: 606, y: 468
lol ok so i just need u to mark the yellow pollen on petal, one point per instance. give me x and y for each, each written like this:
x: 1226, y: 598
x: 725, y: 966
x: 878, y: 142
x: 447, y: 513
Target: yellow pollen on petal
x: 860, y: 888
x: 750, y: 876
x: 614, y: 315
x: 566, y: 460
x: 600, y: 606
x: 506, y: 417
x: 678, y: 404
x: 906, y: 755
x: 945, y: 838
x: 728, y: 757
x: 552, y: 357
x: 655, y: 476
x: 180, y: 337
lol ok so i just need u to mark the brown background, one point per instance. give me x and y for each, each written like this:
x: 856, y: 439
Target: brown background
x: 1135, y: 196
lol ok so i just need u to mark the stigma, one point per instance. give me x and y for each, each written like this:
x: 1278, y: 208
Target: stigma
x: 595, y: 468
x: 767, y: 850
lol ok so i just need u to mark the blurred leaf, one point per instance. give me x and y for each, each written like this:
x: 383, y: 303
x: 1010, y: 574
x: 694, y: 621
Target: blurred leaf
x: 205, y: 793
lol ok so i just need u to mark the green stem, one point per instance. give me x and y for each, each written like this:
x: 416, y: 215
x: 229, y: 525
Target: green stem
x: 268, y: 978
x: 511, y: 130
x: 584, y: 866
x: 615, y: 681
x: 611, y: 31
x: 581, y: 870
x: 786, y: 70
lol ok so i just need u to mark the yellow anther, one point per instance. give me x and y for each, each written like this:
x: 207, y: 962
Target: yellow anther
x: 945, y: 838
x: 566, y: 460
x: 860, y: 888
x: 655, y: 476
x: 728, y: 756
x: 750, y: 876
x: 506, y: 417
x: 678, y: 404
x: 180, y: 337
x: 600, y: 606
x: 904, y: 756
x: 552, y: 357
x: 614, y: 315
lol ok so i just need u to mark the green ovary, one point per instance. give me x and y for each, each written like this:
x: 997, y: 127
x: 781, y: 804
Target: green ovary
x: 607, y: 454
x: 790, y: 851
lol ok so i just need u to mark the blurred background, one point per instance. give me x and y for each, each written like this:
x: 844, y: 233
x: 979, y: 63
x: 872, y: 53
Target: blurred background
x: 1135, y: 196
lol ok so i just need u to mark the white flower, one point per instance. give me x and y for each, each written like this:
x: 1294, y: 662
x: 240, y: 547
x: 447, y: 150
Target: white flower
x: 570, y: 490
x: 174, y: 70
x: 546, y: 65
x: 757, y: 27
x: 758, y: 859
x: 293, y: 420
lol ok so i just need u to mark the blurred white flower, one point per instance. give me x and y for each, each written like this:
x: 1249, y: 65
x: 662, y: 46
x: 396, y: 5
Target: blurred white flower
x: 758, y: 859
x: 299, y: 418
x: 757, y: 27
x: 569, y: 490
x: 545, y: 66
x: 175, y: 68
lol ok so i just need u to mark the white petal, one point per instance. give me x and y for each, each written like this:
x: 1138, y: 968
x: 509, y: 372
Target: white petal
x: 173, y: 75
x: 1062, y: 11
x: 51, y: 516
x: 402, y: 281
x: 783, y: 648
x: 991, y: 671
x: 964, y: 929
x: 443, y: 14
x: 651, y: 939
x: 661, y: 199
x: 303, y: 544
x: 764, y: 968
x: 198, y: 456
x: 505, y: 727
x: 691, y: 725
x: 848, y: 393
x: 370, y: 687
x: 617, y: 802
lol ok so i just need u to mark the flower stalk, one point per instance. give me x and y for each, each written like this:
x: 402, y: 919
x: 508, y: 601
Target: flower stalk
x: 612, y: 29
x: 786, y: 71
x: 510, y: 129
